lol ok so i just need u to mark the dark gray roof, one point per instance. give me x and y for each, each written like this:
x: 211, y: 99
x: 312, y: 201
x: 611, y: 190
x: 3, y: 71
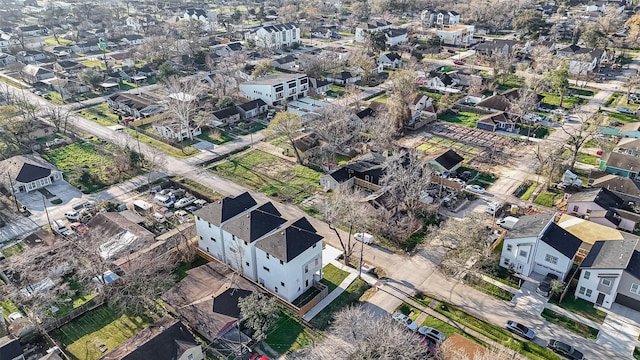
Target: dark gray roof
x: 340, y: 175
x: 197, y: 12
x: 167, y: 339
x: 530, y: 226
x: 611, y: 254
x: 253, y: 104
x: 255, y: 224
x: 601, y: 196
x: 558, y: 238
x: 392, y: 56
x: 396, y: 32
x: 447, y: 159
x: 222, y: 210
x: 615, y: 183
x: 280, y: 27
x: 30, y: 172
x: 11, y: 350
x: 623, y: 161
x: 288, y: 243
x: 226, y: 112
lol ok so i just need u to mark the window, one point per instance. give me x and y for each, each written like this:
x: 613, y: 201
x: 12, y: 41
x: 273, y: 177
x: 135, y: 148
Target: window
x: 509, y: 247
x: 551, y: 259
x: 606, y: 282
x: 247, y: 263
x: 306, y: 283
x: 265, y: 268
x: 316, y: 261
x: 268, y: 257
x: 213, y: 239
x: 506, y: 261
x: 582, y: 289
x: 233, y: 237
x: 587, y: 274
x: 576, y: 208
x: 523, y: 253
x: 314, y: 245
x: 208, y: 249
x: 281, y: 262
x: 245, y: 243
x: 306, y: 269
x: 282, y: 283
x: 589, y: 292
x: 276, y: 289
x: 200, y: 237
x: 635, y: 288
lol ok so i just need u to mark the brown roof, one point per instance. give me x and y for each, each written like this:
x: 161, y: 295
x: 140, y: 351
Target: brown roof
x: 193, y: 298
x: 629, y: 144
x: 494, y: 118
x: 616, y: 183
x: 632, y: 126
x: 495, y: 102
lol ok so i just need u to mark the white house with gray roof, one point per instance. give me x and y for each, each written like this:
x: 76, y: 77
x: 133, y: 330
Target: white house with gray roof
x: 285, y: 256
x: 611, y: 273
x: 537, y: 244
x: 25, y: 173
x: 276, y: 36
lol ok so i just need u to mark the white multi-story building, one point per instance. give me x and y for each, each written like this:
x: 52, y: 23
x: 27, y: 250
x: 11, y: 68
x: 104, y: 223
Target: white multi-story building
x: 440, y: 18
x: 276, y: 36
x: 363, y: 29
x: 458, y: 35
x: 274, y: 89
x: 208, y: 19
x: 284, y: 256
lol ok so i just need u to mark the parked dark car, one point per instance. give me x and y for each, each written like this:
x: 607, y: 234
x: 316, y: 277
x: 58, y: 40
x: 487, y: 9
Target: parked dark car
x: 565, y: 350
x: 544, y: 288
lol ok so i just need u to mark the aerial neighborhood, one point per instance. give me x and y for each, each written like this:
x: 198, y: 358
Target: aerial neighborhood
x: 452, y: 180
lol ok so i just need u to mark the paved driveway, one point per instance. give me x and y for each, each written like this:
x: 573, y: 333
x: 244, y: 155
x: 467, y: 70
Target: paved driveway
x: 61, y: 189
x: 620, y: 330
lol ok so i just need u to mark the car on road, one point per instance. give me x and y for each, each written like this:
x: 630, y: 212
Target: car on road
x: 544, y: 288
x: 78, y: 227
x: 565, y: 350
x: 519, y: 329
x: 432, y: 334
x: 625, y: 110
x: 475, y: 189
x: 364, y: 237
x: 459, y: 62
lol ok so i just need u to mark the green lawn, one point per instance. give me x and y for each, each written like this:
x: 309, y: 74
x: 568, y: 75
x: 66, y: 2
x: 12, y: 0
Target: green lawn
x: 613, y: 99
x: 591, y: 144
x: 463, y: 118
x: 539, y: 132
x: 581, y: 307
x: 488, y: 288
x: 351, y: 295
x: 621, y: 118
x: 101, y: 114
x: 588, y: 159
x: 583, y: 91
x: 14, y: 249
x: 82, y: 337
x: 332, y: 276
x: 527, y: 195
x: 162, y: 146
x: 446, y: 328
x: 88, y: 166
x: 201, y: 190
x: 217, y: 137
x: 276, y: 177
x: 55, y: 97
x: 61, y: 41
x: 8, y: 307
x: 93, y: 63
x: 546, y: 199
x: 512, y: 81
x: 289, y: 334
x: 11, y: 82
x: 495, y: 333
x: 553, y: 101
x: 569, y: 324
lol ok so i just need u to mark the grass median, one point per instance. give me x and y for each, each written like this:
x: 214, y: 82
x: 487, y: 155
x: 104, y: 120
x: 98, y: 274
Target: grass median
x: 577, y: 327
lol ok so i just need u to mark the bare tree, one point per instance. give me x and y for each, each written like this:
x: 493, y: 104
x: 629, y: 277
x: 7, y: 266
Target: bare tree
x: 183, y: 100
x: 59, y: 117
x: 366, y: 63
x: 632, y: 83
x: 335, y: 127
x: 404, y: 90
x: 263, y: 68
x: 286, y: 124
x: 465, y: 241
x: 524, y: 104
x: 407, y: 174
x: 581, y: 66
x: 578, y: 137
x: 259, y: 313
x: 345, y: 209
x: 502, y: 64
x: 375, y: 337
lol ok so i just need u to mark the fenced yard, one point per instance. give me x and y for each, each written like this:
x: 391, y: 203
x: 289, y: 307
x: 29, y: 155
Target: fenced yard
x: 274, y: 176
x: 98, y: 331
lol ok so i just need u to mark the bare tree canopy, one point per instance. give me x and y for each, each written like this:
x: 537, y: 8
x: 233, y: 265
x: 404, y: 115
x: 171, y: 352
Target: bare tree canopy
x: 286, y: 124
x: 345, y: 208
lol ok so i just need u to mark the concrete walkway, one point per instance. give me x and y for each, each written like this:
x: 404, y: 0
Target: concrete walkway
x: 332, y: 296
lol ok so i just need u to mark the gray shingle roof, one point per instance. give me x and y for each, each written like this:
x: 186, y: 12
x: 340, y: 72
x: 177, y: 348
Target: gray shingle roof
x: 288, y: 243
x: 529, y: 226
x: 255, y: 224
x: 222, y: 210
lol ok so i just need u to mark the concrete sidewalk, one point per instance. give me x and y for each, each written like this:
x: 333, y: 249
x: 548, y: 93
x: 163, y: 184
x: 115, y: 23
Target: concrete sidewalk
x: 332, y: 296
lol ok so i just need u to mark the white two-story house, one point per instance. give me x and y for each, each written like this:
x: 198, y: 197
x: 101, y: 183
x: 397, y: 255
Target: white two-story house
x: 439, y: 18
x: 260, y: 244
x: 537, y: 244
x: 364, y: 29
x: 273, y: 89
x: 611, y: 273
x: 582, y: 61
x: 208, y: 19
x: 276, y: 36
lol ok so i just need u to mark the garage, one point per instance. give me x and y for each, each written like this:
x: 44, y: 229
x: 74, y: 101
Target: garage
x: 628, y: 301
x: 544, y: 270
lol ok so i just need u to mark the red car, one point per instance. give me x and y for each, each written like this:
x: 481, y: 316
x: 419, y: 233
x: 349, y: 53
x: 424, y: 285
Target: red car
x: 258, y: 357
x: 459, y: 62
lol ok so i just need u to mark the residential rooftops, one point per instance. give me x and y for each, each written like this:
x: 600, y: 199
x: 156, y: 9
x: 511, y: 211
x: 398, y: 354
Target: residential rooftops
x: 530, y: 226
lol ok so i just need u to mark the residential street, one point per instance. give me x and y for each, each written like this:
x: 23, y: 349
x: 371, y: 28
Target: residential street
x: 406, y: 274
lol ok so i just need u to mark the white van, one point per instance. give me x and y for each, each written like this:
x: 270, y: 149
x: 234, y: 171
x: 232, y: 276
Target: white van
x: 508, y: 223
x: 364, y: 237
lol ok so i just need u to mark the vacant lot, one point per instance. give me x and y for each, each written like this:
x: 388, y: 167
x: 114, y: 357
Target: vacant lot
x: 100, y: 113
x: 547, y: 199
x: 463, y: 118
x: 553, y: 101
x: 89, y: 165
x: 101, y: 328
x: 570, y: 324
x: 278, y: 178
x: 289, y: 334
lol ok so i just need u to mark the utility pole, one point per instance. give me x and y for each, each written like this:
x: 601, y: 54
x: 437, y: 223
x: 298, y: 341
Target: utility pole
x: 13, y: 191
x: 361, y: 253
x: 45, y: 209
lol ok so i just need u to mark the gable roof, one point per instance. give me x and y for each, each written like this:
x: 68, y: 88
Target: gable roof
x: 529, y: 226
x: 166, y: 339
x: 601, y: 196
x: 563, y: 241
x: 615, y: 183
x: 255, y: 224
x: 495, y: 118
x: 340, y: 174
x: 280, y: 27
x: 495, y: 102
x: 629, y: 144
x: 253, y: 104
x: 30, y: 172
x: 222, y: 210
x: 392, y: 56
x: 10, y: 349
x: 26, y: 168
x: 588, y: 231
x: 447, y: 158
x: 623, y: 161
x: 226, y: 112
x: 611, y: 254
x: 286, y: 244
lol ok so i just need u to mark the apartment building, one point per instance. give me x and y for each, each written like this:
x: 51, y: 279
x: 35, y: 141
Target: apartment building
x: 273, y: 89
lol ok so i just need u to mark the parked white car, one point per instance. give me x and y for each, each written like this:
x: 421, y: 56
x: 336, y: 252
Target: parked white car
x: 184, y: 202
x: 72, y: 215
x: 475, y: 189
x: 15, y: 316
x: 432, y: 334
